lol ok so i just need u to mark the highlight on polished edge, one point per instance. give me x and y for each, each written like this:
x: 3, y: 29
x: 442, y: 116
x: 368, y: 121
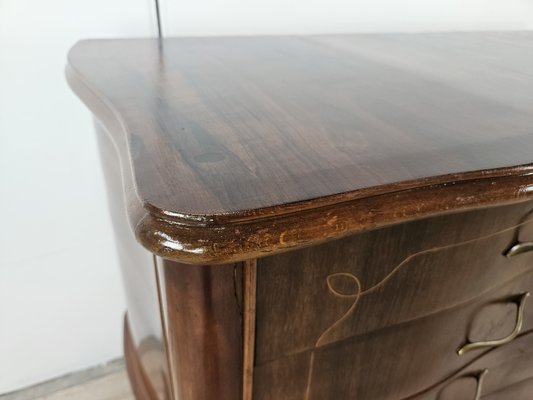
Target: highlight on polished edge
x: 320, y: 217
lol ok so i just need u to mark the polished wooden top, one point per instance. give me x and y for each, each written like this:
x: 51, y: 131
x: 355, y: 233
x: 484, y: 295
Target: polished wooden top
x: 226, y: 131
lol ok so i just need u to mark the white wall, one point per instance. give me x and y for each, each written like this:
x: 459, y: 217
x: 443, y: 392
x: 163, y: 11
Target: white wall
x: 61, y: 301
x: 207, y: 17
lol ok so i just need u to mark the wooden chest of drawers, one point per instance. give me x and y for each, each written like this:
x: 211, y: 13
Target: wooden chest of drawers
x: 379, y: 315
x: 329, y: 217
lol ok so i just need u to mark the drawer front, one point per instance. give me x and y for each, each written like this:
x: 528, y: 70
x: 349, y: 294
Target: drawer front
x: 519, y: 391
x: 397, y: 361
x: 499, y: 373
x: 385, y: 277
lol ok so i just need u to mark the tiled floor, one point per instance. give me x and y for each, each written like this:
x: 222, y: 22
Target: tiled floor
x: 105, y: 382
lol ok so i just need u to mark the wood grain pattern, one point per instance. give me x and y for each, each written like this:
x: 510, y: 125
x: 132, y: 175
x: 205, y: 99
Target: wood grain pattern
x: 519, y: 391
x: 397, y: 361
x: 389, y: 275
x: 396, y: 167
x: 509, y: 370
x: 380, y: 315
x: 202, y: 310
x: 144, y: 337
x: 235, y: 148
x: 249, y: 321
x: 184, y: 337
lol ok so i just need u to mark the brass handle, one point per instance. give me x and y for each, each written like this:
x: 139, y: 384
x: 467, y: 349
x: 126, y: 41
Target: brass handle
x: 480, y: 377
x: 521, y: 302
x: 519, y: 248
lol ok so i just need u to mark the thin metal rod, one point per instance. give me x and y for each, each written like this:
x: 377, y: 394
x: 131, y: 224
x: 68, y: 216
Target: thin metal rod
x: 158, y: 17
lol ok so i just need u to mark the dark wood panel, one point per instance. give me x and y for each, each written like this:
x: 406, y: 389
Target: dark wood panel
x: 510, y: 372
x: 253, y: 239
x: 240, y: 117
x: 397, y: 361
x: 519, y: 391
x: 283, y: 142
x: 145, y: 336
x: 202, y: 307
x: 249, y: 290
x: 508, y: 369
x: 238, y: 148
x: 386, y: 276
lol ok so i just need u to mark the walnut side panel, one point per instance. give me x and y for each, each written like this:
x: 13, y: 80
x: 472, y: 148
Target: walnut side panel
x: 144, y: 340
x: 202, y: 307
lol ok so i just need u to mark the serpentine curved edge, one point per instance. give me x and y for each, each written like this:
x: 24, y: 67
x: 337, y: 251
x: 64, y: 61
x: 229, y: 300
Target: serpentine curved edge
x: 224, y: 238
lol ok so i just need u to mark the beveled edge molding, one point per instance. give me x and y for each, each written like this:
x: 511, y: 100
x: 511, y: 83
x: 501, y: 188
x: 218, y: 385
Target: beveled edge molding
x: 262, y: 237
x: 226, y: 238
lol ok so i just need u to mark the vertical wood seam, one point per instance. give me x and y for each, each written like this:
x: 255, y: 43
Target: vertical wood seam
x: 164, y: 325
x: 249, y: 306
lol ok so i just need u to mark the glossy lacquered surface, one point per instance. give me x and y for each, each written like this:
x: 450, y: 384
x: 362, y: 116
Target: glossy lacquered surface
x: 144, y: 337
x: 185, y: 327
x: 202, y: 313
x: 393, y: 275
x: 395, y: 167
x: 382, y: 314
x: 234, y: 148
